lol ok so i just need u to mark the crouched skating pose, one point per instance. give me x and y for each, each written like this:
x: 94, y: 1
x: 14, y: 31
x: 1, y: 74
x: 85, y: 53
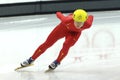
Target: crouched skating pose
x: 70, y: 27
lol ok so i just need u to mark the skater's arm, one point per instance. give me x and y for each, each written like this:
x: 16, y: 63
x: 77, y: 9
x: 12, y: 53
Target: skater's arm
x: 89, y: 22
x: 60, y: 16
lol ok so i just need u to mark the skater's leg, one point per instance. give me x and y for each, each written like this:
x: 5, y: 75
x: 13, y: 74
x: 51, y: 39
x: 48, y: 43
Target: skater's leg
x: 55, y: 35
x: 52, y: 38
x: 62, y: 54
x: 69, y: 41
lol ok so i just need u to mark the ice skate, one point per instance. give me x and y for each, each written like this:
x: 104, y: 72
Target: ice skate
x: 52, y: 66
x: 25, y: 63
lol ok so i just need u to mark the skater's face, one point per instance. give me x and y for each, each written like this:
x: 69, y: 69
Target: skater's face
x: 78, y: 24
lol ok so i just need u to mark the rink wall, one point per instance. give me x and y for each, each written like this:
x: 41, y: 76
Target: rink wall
x: 42, y: 7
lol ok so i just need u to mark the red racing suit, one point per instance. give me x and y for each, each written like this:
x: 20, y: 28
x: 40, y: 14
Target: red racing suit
x: 65, y: 29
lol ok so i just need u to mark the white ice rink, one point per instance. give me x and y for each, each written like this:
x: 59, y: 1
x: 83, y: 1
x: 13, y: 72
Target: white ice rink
x: 96, y: 55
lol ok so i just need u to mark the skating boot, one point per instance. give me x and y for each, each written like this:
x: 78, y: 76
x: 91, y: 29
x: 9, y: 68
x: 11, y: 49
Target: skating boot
x: 52, y: 66
x: 27, y: 62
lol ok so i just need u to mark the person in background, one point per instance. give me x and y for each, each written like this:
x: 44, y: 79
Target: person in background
x: 70, y: 28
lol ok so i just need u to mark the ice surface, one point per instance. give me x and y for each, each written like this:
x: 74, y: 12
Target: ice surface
x: 94, y: 57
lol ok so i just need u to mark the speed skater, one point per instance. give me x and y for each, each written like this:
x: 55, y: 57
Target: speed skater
x: 70, y: 28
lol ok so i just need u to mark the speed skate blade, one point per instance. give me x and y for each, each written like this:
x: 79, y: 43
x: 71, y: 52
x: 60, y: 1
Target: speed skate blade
x: 49, y: 70
x: 21, y: 67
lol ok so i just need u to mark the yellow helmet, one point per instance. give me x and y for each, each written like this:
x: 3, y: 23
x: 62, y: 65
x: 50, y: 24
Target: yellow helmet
x: 80, y: 15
